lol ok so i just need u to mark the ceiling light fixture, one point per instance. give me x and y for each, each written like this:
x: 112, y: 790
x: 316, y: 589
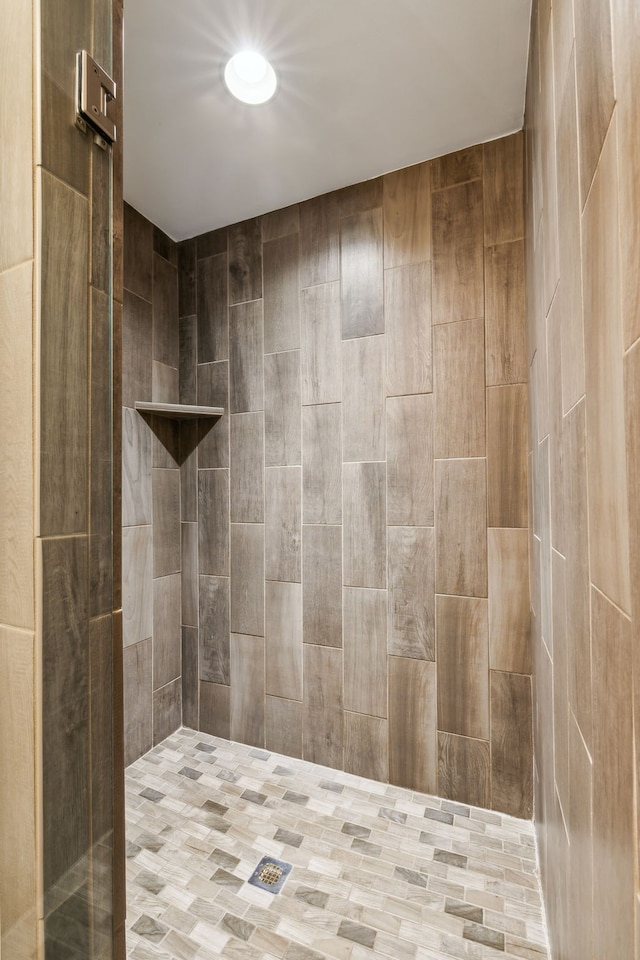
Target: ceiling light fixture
x: 250, y: 77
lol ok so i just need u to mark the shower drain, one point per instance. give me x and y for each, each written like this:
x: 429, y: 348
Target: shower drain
x: 270, y: 874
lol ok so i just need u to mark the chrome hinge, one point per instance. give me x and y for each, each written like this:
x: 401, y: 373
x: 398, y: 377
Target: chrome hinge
x: 94, y: 90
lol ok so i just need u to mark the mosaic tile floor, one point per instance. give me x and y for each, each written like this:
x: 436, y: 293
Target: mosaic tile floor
x: 377, y: 871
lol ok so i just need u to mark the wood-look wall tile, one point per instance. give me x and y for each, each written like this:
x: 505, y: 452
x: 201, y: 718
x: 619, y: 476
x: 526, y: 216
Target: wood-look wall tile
x: 322, y: 584
x: 165, y: 246
x: 363, y: 399
x: 137, y: 583
x: 362, y: 267
x: 509, y: 618
x: 283, y: 726
x: 364, y: 525
x: 188, y: 459
x: 322, y: 463
x: 213, y: 436
x: 365, y: 651
x: 246, y: 352
x: 165, y: 387
x: 245, y: 262
x: 321, y: 338
x: 410, y: 460
x: 366, y: 746
x: 247, y: 467
x: 282, y: 423
x: 213, y: 522
x: 215, y: 709
x: 412, y: 724
x: 504, y: 189
x: 595, y: 84
x: 283, y: 639
x: 213, y: 640
x: 138, y: 693
x: 167, y: 710
x: 462, y: 636
x: 213, y: 310
x: 358, y: 197
x: 63, y: 359
x: 165, y: 312
x: 167, y: 634
x: 103, y: 232
x: 459, y: 429
x: 561, y: 706
x: 137, y: 329
x: 507, y: 445
x: 63, y: 154
x: 606, y: 462
x: 212, y: 244
x: 187, y: 286
x: 464, y: 770
x: 136, y: 469
x: 166, y: 522
x: 458, y: 253
x: 247, y: 689
x: 407, y: 215
x: 188, y: 361
x: 505, y: 304
x: 319, y: 241
x: 511, y: 744
x: 579, y: 822
x: 138, y: 253
x: 461, y: 527
x: 280, y: 223
x: 458, y: 167
x: 323, y: 723
x: 549, y: 222
x: 281, y: 294
x: 411, y: 607
x: 189, y: 601
x: 283, y: 523
x: 407, y: 309
x: 613, y: 779
x: 247, y: 578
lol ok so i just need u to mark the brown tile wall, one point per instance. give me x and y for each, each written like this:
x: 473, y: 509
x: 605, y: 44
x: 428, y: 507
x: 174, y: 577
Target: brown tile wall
x: 583, y: 249
x: 355, y: 521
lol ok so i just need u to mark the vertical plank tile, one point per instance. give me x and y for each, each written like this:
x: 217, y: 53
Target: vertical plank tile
x: 407, y: 311
x: 606, y: 464
x: 189, y: 601
x: 411, y: 608
x: 213, y: 633
x: 366, y: 747
x: 595, y: 84
x: 579, y: 819
x: 458, y: 253
x: 136, y: 350
x: 167, y: 710
x: 504, y: 189
x: 459, y: 429
x: 138, y: 253
x: 246, y: 378
x: 280, y: 223
x: 215, y: 709
x: 283, y: 640
x: 410, y: 460
x: 213, y: 309
x: 165, y: 312
x: 247, y: 578
x: 213, y: 522
x: 323, y: 723
x: 365, y: 651
x: 364, y: 525
x: 247, y: 467
x: 247, y: 689
x: 212, y: 244
x: 245, y: 262
x: 137, y: 592
x: 511, y: 744
x: 283, y: 726
x: 412, y: 724
x: 363, y: 399
x: 461, y: 527
x: 464, y: 770
x: 164, y: 383
x: 509, y: 618
x: 136, y: 469
x: 407, y: 215
x: 187, y: 287
x: 457, y: 167
x: 137, y: 693
x: 322, y: 584
x: 190, y: 684
x: 167, y: 636
x: 506, y: 353
x: 166, y: 522
x: 321, y: 338
x: 281, y: 297
x: 462, y: 636
x: 507, y: 444
x: 213, y: 436
x: 282, y: 422
x: 361, y: 266
x: 283, y: 530
x: 322, y: 463
x: 319, y: 241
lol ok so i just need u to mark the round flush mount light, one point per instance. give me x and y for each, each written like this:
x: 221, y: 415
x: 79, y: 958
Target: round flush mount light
x: 250, y: 78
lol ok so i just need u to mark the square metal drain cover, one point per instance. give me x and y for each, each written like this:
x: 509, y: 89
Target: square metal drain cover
x: 270, y: 874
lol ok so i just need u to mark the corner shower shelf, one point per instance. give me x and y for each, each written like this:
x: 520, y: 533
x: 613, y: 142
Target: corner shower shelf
x: 179, y: 411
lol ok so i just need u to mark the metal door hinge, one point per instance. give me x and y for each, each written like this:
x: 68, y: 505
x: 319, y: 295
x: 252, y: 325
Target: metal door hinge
x: 94, y: 90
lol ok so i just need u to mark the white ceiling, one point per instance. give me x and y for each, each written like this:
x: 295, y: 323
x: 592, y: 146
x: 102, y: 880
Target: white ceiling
x: 365, y: 87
